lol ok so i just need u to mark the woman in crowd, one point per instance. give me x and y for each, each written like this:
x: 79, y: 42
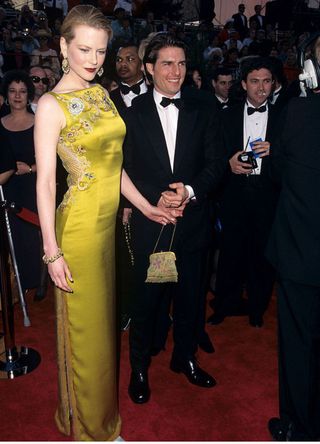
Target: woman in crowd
x: 87, y: 131
x: 16, y: 134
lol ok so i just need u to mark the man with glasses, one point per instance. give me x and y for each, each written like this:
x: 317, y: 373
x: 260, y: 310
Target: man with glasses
x: 40, y: 82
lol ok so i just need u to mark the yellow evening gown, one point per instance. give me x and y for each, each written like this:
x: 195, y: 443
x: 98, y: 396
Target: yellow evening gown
x: 90, y: 147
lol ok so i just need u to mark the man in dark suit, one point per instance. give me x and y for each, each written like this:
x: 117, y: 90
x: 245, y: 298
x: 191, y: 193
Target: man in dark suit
x: 294, y: 250
x: 248, y: 200
x: 132, y: 84
x: 129, y: 72
x: 240, y: 21
x: 172, y: 154
x: 258, y: 19
x: 221, y: 81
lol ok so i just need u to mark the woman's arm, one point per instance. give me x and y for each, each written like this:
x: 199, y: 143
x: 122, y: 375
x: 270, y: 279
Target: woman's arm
x: 160, y: 215
x: 5, y: 176
x: 46, y: 135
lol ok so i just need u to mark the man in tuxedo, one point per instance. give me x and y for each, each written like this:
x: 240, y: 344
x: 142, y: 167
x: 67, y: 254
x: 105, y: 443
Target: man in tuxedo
x: 240, y: 21
x: 257, y: 18
x: 132, y: 84
x: 129, y: 72
x: 248, y: 200
x: 221, y: 81
x: 173, y: 155
x: 294, y: 250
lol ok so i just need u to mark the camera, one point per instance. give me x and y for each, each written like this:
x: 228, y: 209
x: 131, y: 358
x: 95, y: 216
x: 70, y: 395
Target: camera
x: 249, y: 158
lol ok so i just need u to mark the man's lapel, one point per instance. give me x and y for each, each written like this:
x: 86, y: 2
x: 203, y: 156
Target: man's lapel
x: 151, y: 124
x: 185, y: 130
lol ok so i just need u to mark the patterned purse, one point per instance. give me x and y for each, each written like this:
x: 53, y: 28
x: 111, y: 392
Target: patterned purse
x: 162, y: 266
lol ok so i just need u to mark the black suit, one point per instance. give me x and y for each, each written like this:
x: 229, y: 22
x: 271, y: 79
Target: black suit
x: 247, y: 207
x: 255, y: 19
x: 294, y: 250
x: 198, y: 162
x: 116, y: 97
x: 239, y: 26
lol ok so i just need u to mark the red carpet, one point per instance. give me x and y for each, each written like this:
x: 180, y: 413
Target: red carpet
x: 237, y: 409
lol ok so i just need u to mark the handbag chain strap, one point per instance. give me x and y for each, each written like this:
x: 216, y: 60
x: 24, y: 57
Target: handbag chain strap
x: 171, y: 242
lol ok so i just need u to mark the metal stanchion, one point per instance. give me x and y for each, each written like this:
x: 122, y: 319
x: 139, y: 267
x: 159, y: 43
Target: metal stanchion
x: 15, y: 361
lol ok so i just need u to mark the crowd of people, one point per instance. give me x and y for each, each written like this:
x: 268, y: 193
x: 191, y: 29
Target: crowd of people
x: 188, y: 126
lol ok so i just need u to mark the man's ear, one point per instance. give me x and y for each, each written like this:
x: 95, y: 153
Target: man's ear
x: 150, y: 68
x: 244, y: 85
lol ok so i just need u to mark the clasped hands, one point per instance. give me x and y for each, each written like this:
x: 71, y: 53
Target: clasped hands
x: 175, y: 201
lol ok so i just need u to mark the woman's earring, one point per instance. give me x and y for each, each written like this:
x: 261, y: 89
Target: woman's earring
x: 65, y: 65
x: 6, y: 102
x: 100, y: 72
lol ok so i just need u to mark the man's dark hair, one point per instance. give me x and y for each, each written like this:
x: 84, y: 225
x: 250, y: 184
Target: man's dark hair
x: 253, y: 64
x: 130, y: 44
x: 219, y: 72
x: 159, y: 41
x: 17, y: 75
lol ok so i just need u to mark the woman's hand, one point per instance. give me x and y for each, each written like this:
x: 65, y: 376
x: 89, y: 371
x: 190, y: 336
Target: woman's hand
x: 163, y: 216
x: 59, y: 272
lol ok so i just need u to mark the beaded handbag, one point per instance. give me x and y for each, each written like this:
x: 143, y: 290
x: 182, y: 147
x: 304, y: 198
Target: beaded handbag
x: 162, y: 266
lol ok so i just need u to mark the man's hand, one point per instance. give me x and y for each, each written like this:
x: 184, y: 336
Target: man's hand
x: 175, y: 212
x: 174, y: 199
x: 238, y: 167
x: 261, y: 148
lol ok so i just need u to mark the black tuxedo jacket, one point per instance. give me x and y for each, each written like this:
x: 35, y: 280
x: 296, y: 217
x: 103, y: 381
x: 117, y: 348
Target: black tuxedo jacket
x: 199, y: 162
x: 239, y: 26
x: 255, y: 18
x: 232, y: 125
x: 115, y: 96
x: 294, y: 245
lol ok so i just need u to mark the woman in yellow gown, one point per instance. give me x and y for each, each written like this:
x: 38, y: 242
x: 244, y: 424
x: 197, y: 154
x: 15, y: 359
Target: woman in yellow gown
x: 79, y: 121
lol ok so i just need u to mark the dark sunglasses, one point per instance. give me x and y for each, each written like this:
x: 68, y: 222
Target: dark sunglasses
x: 37, y: 79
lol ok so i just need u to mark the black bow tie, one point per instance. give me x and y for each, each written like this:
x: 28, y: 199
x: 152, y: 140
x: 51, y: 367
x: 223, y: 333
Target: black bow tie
x: 166, y: 101
x: 125, y: 89
x: 251, y: 110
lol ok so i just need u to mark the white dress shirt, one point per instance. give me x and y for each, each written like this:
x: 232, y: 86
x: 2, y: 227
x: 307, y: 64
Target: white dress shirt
x: 169, y: 122
x: 254, y: 127
x: 127, y: 98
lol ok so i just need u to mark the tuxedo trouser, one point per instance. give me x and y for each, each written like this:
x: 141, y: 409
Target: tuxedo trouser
x: 246, y: 221
x: 299, y: 356
x: 148, y: 301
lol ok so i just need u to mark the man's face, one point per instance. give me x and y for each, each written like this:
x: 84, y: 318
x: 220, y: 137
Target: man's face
x: 169, y: 70
x: 258, y: 86
x: 128, y: 65
x: 257, y: 9
x: 40, y: 86
x: 242, y: 8
x: 222, y: 86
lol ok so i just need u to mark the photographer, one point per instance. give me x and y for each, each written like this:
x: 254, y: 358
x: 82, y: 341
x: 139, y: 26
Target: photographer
x: 248, y: 200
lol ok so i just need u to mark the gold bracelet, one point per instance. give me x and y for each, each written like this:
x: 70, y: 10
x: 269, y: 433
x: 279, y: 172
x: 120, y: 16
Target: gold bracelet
x: 49, y: 259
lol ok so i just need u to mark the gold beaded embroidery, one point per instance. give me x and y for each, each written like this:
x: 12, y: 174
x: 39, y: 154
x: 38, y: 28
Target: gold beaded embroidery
x: 71, y: 153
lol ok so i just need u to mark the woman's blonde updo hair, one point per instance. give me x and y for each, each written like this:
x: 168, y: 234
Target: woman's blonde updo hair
x: 84, y: 15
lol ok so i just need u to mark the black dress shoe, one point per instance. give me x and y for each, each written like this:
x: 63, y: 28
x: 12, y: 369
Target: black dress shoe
x: 256, y: 321
x: 138, y: 389
x: 205, y: 344
x: 215, y: 319
x: 278, y: 429
x: 193, y: 372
